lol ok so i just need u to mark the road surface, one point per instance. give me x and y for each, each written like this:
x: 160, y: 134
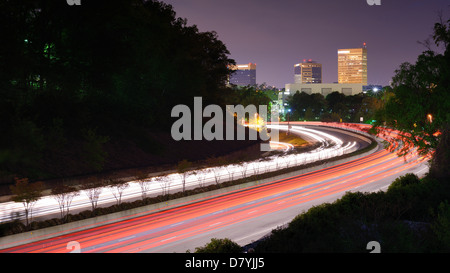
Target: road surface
x: 242, y: 215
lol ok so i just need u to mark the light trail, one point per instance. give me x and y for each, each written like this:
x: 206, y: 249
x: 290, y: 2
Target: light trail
x: 154, y: 230
x: 330, y: 147
x: 164, y: 231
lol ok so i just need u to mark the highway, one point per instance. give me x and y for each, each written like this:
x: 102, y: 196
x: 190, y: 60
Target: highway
x: 241, y: 215
x: 331, y: 145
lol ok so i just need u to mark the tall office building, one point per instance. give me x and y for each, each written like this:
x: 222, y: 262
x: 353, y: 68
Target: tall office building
x: 308, y: 72
x: 243, y: 75
x: 352, y: 65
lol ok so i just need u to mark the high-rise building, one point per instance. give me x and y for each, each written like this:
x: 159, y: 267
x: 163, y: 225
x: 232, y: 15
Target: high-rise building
x: 243, y: 75
x: 308, y: 72
x: 352, y: 65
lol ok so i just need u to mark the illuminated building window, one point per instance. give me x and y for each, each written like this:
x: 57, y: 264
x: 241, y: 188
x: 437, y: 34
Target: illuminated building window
x: 308, y: 72
x: 243, y: 75
x: 352, y: 65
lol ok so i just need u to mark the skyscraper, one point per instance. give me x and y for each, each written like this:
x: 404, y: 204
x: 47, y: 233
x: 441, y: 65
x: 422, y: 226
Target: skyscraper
x: 308, y: 72
x: 243, y: 75
x: 352, y: 65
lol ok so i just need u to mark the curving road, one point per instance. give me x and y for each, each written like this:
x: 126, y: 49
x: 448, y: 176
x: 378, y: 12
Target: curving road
x: 241, y: 215
x: 331, y: 145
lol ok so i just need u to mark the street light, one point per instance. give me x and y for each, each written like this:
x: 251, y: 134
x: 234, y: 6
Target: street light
x: 289, y: 126
x: 430, y: 118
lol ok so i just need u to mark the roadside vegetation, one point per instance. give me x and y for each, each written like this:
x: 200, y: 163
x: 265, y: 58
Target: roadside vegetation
x: 68, y: 107
x: 89, y: 89
x: 334, y: 107
x: 28, y: 193
x: 413, y: 215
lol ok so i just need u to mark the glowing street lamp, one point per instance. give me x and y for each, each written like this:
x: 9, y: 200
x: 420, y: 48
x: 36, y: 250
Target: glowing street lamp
x: 289, y: 113
x: 430, y: 118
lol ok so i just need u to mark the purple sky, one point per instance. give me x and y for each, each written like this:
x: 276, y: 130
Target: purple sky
x: 276, y: 34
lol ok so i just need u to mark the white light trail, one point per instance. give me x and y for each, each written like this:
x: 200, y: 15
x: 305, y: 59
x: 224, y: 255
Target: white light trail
x: 331, y: 146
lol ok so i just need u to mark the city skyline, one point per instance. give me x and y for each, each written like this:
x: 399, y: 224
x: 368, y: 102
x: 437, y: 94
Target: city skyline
x: 352, y: 65
x: 244, y: 74
x: 276, y: 35
x: 308, y: 71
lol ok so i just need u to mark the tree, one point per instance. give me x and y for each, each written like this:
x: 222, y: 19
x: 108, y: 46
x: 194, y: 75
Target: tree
x: 220, y: 246
x: 257, y: 165
x: 440, y: 167
x: 270, y: 91
x: 164, y: 183
x: 117, y: 187
x: 93, y: 152
x: 231, y: 169
x: 419, y: 104
x: 243, y: 165
x: 441, y: 227
x: 247, y: 95
x: 402, y: 181
x: 217, y: 164
x: 93, y: 188
x: 201, y: 176
x: 309, y: 115
x: 298, y: 103
x: 97, y: 69
x: 318, y: 104
x: 183, y: 168
x: 244, y: 161
x: 337, y: 103
x: 369, y: 107
x: 64, y: 195
x: 144, y: 182
x: 28, y: 194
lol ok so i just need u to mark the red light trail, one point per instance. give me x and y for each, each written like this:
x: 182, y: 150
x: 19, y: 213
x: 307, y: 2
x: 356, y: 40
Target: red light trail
x: 150, y: 233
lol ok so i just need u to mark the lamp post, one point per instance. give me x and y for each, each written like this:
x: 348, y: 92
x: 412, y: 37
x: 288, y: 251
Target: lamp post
x: 289, y: 126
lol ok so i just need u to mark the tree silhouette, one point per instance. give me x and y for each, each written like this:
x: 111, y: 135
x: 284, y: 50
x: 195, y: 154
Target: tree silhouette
x: 64, y: 195
x: 419, y: 103
x: 28, y: 194
x: 113, y: 67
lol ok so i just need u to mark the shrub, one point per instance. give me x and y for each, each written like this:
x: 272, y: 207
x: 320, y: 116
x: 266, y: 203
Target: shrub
x: 441, y: 227
x: 220, y: 246
x: 86, y: 214
x: 12, y: 228
x: 403, y: 181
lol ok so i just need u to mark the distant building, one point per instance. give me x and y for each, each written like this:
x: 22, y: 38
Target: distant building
x: 352, y: 65
x: 308, y: 72
x: 243, y: 75
x: 352, y: 76
x: 347, y: 89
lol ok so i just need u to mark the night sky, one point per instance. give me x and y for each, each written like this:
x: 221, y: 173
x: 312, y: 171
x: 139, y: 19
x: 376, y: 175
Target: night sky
x: 276, y: 34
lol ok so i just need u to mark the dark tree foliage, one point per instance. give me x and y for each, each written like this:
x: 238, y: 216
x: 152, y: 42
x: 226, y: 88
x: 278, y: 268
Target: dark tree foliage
x: 334, y: 107
x: 419, y: 103
x: 247, y: 95
x: 413, y: 215
x: 220, y: 246
x: 108, y: 67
